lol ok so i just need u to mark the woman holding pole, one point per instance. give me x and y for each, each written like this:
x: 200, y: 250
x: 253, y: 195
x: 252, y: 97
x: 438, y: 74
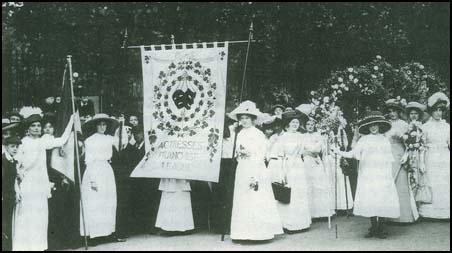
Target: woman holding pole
x: 31, y: 214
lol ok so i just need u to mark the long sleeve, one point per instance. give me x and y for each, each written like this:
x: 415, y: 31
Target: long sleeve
x: 50, y: 142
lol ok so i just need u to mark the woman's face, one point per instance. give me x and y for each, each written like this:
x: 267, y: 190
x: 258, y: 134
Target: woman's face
x: 437, y: 113
x: 246, y: 121
x: 35, y: 129
x: 310, y: 126
x: 101, y: 127
x: 393, y: 114
x: 293, y: 125
x: 48, y: 129
x: 133, y: 120
x: 6, y: 134
x: 414, y: 115
x: 374, y: 129
x: 278, y: 111
x: 268, y: 132
x: 14, y: 119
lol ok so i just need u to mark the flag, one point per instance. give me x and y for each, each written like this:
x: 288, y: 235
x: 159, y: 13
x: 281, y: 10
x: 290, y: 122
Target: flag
x: 63, y: 158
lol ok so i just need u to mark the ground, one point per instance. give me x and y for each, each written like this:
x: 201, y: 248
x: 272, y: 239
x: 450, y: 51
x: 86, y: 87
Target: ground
x: 424, y: 235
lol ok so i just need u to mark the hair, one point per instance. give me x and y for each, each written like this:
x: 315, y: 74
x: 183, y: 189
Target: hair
x: 253, y: 117
x: 286, y: 122
x: 440, y: 104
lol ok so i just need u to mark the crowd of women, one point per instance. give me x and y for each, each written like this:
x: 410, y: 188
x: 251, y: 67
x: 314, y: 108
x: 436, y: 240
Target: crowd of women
x: 403, y: 174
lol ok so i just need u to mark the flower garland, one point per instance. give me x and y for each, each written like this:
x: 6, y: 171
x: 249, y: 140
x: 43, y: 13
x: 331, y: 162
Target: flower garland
x: 414, y: 141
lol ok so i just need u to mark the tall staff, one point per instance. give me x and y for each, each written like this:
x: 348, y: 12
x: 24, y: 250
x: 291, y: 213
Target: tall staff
x: 69, y: 62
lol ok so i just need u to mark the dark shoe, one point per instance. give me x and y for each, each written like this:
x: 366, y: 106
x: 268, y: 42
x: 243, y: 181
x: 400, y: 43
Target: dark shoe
x: 382, y: 235
x: 117, y: 238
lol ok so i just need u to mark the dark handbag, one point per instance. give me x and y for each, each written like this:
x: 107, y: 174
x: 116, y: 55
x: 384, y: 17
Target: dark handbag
x: 281, y: 192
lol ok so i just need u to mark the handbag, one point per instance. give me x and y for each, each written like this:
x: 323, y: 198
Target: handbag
x: 423, y: 193
x: 281, y: 192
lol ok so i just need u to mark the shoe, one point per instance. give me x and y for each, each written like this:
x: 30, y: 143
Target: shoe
x: 371, y: 233
x: 382, y: 235
x: 115, y: 238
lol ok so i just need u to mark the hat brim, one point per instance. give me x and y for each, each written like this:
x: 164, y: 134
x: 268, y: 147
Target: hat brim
x: 384, y: 125
x: 10, y: 126
x: 89, y: 127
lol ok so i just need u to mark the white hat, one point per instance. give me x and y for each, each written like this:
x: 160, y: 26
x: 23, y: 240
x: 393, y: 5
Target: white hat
x: 265, y: 118
x: 436, y: 98
x: 307, y: 109
x: 246, y: 107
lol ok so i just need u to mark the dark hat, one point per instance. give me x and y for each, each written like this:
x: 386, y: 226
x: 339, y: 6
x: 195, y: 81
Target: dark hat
x: 295, y: 114
x: 374, y: 117
x: 14, y: 113
x: 9, y: 126
x: 12, y: 140
x: 89, y: 127
x: 278, y: 106
x: 31, y: 119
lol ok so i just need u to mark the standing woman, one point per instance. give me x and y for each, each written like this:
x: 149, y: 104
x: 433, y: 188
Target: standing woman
x: 317, y: 176
x: 376, y: 194
x: 254, y: 212
x: 408, y: 209
x: 98, y: 182
x: 437, y: 158
x: 296, y: 215
x: 31, y: 214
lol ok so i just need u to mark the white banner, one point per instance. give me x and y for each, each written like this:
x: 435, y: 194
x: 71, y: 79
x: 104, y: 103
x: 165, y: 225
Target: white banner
x: 184, y: 93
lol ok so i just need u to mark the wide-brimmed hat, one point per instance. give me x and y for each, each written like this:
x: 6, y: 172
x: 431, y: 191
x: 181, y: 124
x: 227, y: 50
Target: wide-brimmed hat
x: 12, y: 140
x: 246, y: 107
x: 89, y: 127
x: 287, y: 117
x: 14, y: 113
x: 438, y: 99
x: 394, y: 103
x: 374, y: 117
x: 9, y: 126
x: 420, y: 108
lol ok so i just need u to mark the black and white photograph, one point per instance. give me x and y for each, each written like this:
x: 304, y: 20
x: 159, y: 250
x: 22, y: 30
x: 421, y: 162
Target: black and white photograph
x: 226, y: 126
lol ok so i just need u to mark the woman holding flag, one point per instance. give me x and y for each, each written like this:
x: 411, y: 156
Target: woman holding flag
x: 33, y: 186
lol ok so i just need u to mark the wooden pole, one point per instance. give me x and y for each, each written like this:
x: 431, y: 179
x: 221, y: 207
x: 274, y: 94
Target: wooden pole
x: 76, y: 152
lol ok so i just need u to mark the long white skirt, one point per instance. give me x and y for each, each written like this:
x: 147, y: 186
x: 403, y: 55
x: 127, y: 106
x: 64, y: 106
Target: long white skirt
x: 31, y: 215
x: 437, y: 163
x: 254, y: 213
x: 175, y: 210
x: 319, y: 188
x: 296, y: 215
x: 99, y: 206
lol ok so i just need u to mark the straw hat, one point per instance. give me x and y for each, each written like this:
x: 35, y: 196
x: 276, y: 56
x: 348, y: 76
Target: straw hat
x: 9, y: 126
x: 89, y: 127
x: 438, y: 99
x: 246, y: 107
x: 278, y: 106
x: 374, y: 117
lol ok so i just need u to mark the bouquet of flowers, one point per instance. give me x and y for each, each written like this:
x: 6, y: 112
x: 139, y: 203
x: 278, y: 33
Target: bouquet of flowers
x: 242, y: 153
x: 414, y: 141
x: 254, y: 184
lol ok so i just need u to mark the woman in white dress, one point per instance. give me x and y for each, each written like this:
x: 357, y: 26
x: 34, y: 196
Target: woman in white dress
x: 98, y: 182
x: 254, y: 212
x: 408, y: 209
x: 437, y: 159
x: 317, y: 175
x: 296, y: 215
x: 33, y: 186
x: 376, y: 194
x: 175, y: 211
x: 272, y: 156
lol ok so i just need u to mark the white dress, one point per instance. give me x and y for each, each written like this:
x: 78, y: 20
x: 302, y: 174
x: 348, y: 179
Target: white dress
x: 99, y: 206
x: 318, y: 178
x: 296, y: 215
x: 376, y: 193
x: 274, y: 161
x: 175, y: 211
x: 31, y: 214
x: 254, y: 213
x: 437, y: 165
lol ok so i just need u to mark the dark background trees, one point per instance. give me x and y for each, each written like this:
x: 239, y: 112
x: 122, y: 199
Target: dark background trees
x: 299, y: 44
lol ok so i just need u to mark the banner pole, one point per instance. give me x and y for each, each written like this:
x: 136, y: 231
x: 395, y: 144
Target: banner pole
x: 76, y: 151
